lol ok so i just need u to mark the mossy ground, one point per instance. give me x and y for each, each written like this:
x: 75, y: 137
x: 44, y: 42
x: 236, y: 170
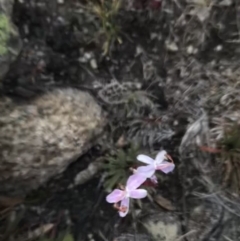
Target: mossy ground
x: 5, y: 30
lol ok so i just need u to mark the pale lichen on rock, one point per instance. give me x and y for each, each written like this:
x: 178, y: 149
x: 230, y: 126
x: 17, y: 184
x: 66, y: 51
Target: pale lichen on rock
x: 163, y: 226
x: 40, y: 139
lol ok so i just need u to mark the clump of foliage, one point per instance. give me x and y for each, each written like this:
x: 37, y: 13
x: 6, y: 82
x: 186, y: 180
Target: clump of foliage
x: 138, y: 104
x: 128, y: 98
x: 106, y: 11
x: 149, y: 130
x: 117, y: 166
x: 134, y: 109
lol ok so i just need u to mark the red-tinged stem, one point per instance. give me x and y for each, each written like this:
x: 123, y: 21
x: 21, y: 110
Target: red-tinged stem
x: 169, y: 158
x: 121, y: 186
x: 120, y: 208
x: 210, y: 149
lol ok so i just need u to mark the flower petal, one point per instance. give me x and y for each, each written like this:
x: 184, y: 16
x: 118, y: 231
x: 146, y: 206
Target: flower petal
x: 138, y: 194
x: 146, y: 171
x: 160, y: 156
x: 134, y: 181
x: 154, y: 179
x: 166, y: 167
x: 124, y: 204
x: 115, y: 196
x: 145, y: 159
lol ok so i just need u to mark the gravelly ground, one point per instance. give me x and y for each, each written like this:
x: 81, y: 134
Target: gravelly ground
x: 184, y: 57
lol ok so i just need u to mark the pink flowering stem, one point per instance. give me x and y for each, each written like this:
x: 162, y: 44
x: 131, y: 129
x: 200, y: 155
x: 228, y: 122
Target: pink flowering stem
x: 130, y: 191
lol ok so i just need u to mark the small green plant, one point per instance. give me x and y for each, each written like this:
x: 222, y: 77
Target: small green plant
x: 13, y: 228
x: 120, y: 197
x: 117, y: 167
x: 106, y: 11
x: 231, y: 157
x: 231, y: 140
x: 64, y: 236
x: 228, y: 149
x: 10, y: 224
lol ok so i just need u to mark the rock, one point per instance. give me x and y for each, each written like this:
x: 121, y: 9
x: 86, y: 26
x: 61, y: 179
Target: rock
x: 171, y: 46
x: 60, y: 1
x: 201, y: 11
x: 132, y: 237
x: 93, y: 63
x: 163, y: 226
x: 139, y: 50
x: 226, y: 3
x: 40, y: 139
x: 153, y: 36
x: 218, y: 48
x: 89, y: 172
x: 10, y: 42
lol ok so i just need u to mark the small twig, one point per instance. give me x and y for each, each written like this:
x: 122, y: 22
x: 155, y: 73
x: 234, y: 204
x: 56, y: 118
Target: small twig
x: 102, y: 235
x: 227, y: 238
x: 53, y: 233
x: 134, y: 221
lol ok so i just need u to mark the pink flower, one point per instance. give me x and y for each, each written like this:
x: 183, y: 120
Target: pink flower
x: 130, y: 191
x: 159, y: 163
x: 141, y: 171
